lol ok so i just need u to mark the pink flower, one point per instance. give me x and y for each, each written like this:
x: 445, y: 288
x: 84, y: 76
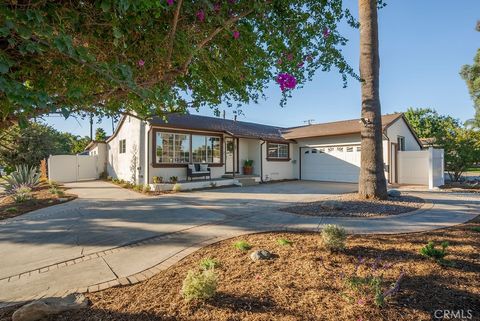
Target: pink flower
x: 236, y: 34
x: 170, y: 2
x: 290, y: 56
x: 286, y: 81
x: 141, y: 63
x: 217, y: 6
x: 326, y: 33
x: 279, y: 61
x: 300, y: 65
x: 200, y: 15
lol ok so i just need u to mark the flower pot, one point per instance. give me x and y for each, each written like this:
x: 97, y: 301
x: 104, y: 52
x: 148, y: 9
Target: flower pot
x: 247, y: 170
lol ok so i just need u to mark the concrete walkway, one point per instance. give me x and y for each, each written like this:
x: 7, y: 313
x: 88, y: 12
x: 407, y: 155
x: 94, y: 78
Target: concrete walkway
x: 111, y: 236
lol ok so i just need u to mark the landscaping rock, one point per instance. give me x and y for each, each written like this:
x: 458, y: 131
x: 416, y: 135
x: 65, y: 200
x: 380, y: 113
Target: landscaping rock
x: 261, y: 255
x: 394, y: 193
x: 332, y: 205
x: 39, y: 309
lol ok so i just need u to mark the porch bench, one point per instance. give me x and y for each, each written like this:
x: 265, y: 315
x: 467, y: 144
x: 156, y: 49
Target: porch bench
x: 194, y: 170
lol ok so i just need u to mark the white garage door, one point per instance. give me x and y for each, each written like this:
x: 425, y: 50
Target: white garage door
x: 333, y: 163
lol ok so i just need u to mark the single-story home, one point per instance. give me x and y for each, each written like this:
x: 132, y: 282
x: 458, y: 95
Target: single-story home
x: 164, y: 147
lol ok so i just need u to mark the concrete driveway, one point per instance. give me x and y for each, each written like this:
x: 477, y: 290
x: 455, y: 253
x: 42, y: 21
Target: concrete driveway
x: 111, y: 236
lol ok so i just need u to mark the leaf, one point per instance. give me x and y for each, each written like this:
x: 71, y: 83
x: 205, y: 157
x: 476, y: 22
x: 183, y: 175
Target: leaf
x: 117, y: 33
x: 105, y: 5
x: 4, y: 68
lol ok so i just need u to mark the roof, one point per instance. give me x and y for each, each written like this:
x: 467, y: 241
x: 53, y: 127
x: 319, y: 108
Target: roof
x: 232, y: 127
x: 93, y: 143
x: 343, y: 127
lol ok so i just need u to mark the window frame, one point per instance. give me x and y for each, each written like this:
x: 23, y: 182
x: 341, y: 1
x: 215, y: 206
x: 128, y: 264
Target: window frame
x: 153, y: 145
x: 122, y: 148
x: 277, y: 159
x: 401, y: 143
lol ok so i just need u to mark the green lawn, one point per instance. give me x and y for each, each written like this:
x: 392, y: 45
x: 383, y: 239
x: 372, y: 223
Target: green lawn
x: 474, y: 169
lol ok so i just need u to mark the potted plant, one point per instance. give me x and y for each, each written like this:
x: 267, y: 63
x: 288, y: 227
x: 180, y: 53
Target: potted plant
x: 247, y: 167
x: 157, y: 180
x: 173, y: 179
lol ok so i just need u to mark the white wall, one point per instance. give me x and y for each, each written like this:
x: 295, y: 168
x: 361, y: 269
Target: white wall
x: 72, y: 168
x: 123, y: 166
x: 421, y: 167
x: 276, y: 170
x: 100, y: 150
x: 400, y: 128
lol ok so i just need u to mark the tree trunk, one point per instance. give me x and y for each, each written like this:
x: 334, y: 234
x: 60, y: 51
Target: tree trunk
x: 372, y: 183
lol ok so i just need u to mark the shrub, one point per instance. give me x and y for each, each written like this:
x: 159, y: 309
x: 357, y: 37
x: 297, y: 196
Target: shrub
x: 283, y: 241
x: 209, y: 263
x: 199, y: 285
x: 431, y: 251
x: 137, y: 188
x: 53, y: 184
x: 23, y: 176
x: 173, y: 179
x: 103, y: 175
x: 22, y: 194
x: 242, y: 245
x: 56, y: 191
x: 146, y: 188
x: 475, y: 229
x: 11, y: 210
x: 177, y: 187
x: 157, y: 179
x: 334, y: 237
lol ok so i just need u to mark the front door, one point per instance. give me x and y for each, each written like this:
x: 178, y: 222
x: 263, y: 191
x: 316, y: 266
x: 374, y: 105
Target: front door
x: 231, y: 157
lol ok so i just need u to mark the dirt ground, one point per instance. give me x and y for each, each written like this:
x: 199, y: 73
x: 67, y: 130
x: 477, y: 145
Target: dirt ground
x: 41, y: 198
x: 352, y: 206
x: 306, y: 282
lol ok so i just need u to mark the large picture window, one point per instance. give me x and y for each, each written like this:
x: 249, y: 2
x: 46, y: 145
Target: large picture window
x: 184, y: 148
x: 277, y: 151
x: 173, y: 148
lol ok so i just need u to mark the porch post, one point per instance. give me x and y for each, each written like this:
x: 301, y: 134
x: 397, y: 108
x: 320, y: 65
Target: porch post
x: 233, y: 158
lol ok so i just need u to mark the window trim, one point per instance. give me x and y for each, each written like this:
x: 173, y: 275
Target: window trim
x: 120, y: 146
x: 399, y: 144
x: 278, y: 159
x: 154, y: 162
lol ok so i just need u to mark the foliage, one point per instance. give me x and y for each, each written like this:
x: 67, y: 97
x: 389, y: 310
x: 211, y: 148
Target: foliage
x: 21, y: 194
x: 78, y: 144
x: 461, y: 145
x: 100, y: 134
x: 431, y: 251
x: 475, y: 229
x: 367, y: 283
x: 12, y: 209
x: 427, y: 123
x: 209, y: 263
x: 157, y: 179
x: 248, y: 163
x: 146, y: 188
x: 55, y: 190
x: 242, y: 246
x: 149, y: 57
x: 23, y: 176
x: 173, y: 179
x: 334, y: 237
x: 471, y: 75
x: 177, y: 187
x: 283, y: 241
x: 199, y: 285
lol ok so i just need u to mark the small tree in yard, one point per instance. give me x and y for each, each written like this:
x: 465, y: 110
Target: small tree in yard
x: 100, y: 134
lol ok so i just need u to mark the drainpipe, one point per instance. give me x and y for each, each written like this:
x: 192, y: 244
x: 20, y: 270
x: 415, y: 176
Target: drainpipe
x: 261, y: 161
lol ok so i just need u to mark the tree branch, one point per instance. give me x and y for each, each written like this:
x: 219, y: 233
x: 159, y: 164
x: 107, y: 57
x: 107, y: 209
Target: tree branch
x: 172, y: 33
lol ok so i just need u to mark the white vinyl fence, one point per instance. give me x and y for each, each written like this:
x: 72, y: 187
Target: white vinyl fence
x: 421, y: 167
x: 72, y: 168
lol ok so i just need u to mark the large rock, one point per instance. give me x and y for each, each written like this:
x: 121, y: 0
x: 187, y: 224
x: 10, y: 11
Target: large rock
x: 261, y: 255
x: 39, y: 309
x: 332, y: 205
x: 394, y: 193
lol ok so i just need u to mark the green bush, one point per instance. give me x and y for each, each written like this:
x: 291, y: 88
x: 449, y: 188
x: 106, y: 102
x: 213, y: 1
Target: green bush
x: 23, y: 176
x: 56, y: 191
x: 146, y: 188
x: 199, y: 285
x: 334, y: 237
x: 11, y: 210
x: 475, y: 229
x: 284, y: 242
x: 242, y: 245
x: 177, y: 187
x: 22, y: 194
x: 209, y: 263
x: 431, y: 251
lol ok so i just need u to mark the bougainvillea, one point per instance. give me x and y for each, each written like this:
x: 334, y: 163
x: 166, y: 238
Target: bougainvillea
x: 152, y: 57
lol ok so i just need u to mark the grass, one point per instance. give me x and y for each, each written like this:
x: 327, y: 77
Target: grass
x: 284, y: 242
x: 209, y: 263
x: 473, y: 169
x: 242, y: 245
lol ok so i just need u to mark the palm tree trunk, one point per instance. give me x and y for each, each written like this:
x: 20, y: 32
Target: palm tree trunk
x: 372, y: 183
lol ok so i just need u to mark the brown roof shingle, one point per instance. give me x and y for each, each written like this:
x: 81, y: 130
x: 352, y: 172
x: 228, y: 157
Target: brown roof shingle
x: 343, y: 127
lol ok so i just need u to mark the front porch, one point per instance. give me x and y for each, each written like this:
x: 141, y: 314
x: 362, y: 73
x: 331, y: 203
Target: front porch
x: 225, y: 180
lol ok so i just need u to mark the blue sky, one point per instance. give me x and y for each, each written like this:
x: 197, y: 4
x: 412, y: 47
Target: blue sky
x: 423, y: 45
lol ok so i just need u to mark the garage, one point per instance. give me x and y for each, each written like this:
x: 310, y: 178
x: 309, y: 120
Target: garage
x: 331, y: 163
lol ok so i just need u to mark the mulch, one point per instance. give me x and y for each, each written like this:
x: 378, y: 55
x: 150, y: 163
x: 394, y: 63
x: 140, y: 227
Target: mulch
x: 41, y: 198
x: 352, y: 206
x: 305, y: 282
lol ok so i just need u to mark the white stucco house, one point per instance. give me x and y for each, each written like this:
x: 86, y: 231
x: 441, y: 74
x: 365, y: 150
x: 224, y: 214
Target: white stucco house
x: 140, y: 150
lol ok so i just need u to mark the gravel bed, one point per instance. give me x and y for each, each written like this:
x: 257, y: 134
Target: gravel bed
x: 350, y: 205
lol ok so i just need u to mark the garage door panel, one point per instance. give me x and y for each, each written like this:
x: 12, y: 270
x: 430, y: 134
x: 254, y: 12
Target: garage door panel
x: 338, y: 164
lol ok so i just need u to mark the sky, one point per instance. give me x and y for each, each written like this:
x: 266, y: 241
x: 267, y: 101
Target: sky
x: 423, y: 45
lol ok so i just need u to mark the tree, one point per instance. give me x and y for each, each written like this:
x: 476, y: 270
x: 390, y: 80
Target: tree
x: 461, y: 145
x: 372, y: 182
x: 471, y: 75
x: 427, y: 123
x: 100, y: 134
x: 28, y: 145
x: 156, y: 56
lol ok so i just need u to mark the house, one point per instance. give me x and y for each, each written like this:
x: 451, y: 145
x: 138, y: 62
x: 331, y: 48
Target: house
x: 139, y: 150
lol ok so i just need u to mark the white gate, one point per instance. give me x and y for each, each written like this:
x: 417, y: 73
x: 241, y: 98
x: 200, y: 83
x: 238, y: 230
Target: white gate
x: 421, y: 167
x: 72, y: 168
